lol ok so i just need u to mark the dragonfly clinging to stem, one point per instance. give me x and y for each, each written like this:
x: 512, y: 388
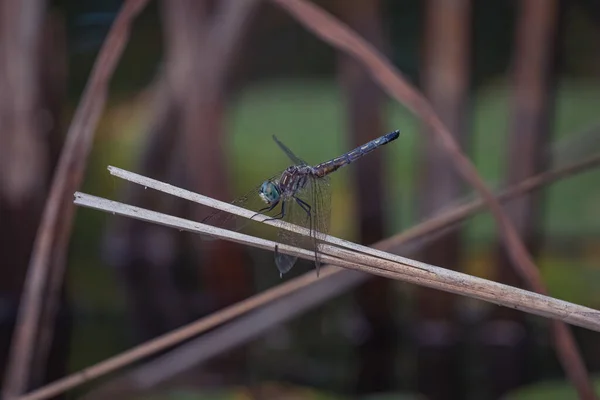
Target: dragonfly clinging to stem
x: 303, y: 195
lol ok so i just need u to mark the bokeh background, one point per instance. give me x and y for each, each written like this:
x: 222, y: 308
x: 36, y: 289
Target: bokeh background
x: 199, y: 91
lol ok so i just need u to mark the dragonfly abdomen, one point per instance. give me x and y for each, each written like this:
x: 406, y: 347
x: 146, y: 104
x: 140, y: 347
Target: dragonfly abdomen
x: 332, y: 165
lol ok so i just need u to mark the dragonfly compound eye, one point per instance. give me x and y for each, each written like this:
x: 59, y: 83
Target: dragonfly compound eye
x: 269, y: 192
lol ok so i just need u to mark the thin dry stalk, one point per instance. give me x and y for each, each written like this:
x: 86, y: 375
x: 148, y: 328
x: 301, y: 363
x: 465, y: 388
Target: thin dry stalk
x: 23, y: 157
x: 394, y: 266
x: 58, y: 209
x: 252, y: 325
x: 280, y: 310
x: 460, y: 213
x: 175, y: 337
x: 271, y: 295
x: 390, y: 79
x: 230, y: 208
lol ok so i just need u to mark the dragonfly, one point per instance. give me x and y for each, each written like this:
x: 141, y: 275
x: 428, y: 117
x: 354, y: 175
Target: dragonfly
x: 300, y: 195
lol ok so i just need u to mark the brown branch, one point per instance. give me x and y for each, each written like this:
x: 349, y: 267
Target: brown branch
x: 50, y: 355
x: 59, y: 209
x: 340, y: 36
x: 445, y: 78
x: 24, y: 161
x: 280, y: 310
x: 303, y: 281
x: 222, y: 339
x: 354, y: 256
x: 460, y: 213
x: 363, y: 101
x: 175, y: 336
x: 198, y: 70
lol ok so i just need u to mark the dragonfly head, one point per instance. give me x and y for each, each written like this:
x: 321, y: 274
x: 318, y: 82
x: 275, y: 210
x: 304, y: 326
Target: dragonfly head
x: 269, y: 193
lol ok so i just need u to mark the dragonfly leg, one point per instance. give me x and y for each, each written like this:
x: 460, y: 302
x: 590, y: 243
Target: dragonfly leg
x: 306, y: 207
x: 266, y: 209
x: 278, y: 216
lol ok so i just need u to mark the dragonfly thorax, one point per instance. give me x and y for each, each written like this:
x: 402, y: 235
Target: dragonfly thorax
x: 294, y: 179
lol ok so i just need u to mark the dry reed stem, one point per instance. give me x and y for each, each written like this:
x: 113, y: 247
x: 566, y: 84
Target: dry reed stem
x: 278, y: 311
x: 58, y: 208
x: 230, y: 208
x: 353, y: 256
x: 337, y: 34
x: 224, y: 338
x: 453, y: 216
x: 39, y: 281
x: 222, y: 316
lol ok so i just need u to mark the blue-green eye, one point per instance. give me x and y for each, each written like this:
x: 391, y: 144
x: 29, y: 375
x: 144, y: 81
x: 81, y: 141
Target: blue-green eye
x: 269, y: 192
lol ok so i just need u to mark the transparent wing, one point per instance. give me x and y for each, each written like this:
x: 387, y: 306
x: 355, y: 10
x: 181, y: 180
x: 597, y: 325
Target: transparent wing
x: 322, y: 195
x: 309, y: 208
x: 296, y: 213
x: 250, y: 201
x: 295, y: 159
x: 320, y: 192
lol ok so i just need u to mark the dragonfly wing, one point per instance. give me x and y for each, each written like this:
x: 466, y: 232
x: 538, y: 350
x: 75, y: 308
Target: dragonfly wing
x: 284, y: 262
x: 297, y: 215
x: 295, y: 159
x: 321, y: 195
x: 316, y: 194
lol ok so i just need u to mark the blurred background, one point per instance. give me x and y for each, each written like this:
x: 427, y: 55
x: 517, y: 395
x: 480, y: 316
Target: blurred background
x: 198, y: 93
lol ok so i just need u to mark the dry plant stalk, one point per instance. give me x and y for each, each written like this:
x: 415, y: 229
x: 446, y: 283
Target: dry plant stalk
x: 88, y: 110
x: 337, y: 34
x: 354, y: 257
x: 58, y: 213
x: 449, y: 218
x: 347, y: 254
x: 294, y: 285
